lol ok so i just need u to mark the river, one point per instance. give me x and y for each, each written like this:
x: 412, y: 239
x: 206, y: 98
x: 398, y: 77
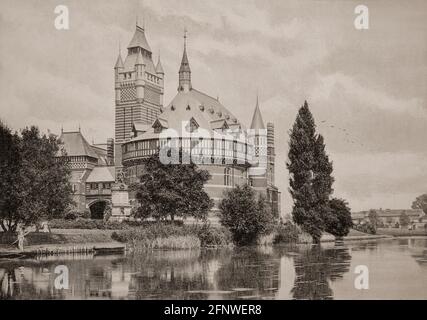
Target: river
x: 392, y: 269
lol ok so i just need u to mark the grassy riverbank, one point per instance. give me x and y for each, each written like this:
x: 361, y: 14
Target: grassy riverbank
x: 169, y: 236
x: 401, y: 232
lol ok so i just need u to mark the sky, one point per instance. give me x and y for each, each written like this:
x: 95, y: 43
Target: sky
x: 367, y: 89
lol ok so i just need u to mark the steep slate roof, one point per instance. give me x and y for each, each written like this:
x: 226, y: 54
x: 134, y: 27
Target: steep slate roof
x: 76, y: 145
x: 102, y: 174
x: 139, y: 40
x: 131, y: 59
x: 257, y: 122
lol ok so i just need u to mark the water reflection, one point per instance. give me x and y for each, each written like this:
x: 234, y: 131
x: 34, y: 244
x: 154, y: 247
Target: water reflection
x: 291, y: 272
x: 315, y: 268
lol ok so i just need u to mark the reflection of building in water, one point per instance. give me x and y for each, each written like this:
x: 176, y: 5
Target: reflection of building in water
x: 174, y: 274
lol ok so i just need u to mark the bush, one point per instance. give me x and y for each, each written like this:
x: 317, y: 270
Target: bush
x: 367, y: 227
x: 210, y: 236
x: 71, y: 215
x: 146, y: 235
x: 80, y: 223
x: 244, y: 215
x: 287, y: 233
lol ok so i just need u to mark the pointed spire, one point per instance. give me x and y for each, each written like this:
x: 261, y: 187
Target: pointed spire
x: 185, y: 66
x: 257, y: 122
x: 159, y: 67
x: 184, y: 69
x: 119, y: 62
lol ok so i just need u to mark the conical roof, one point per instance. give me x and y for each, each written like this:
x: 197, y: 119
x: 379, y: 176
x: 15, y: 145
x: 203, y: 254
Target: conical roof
x: 159, y: 67
x: 119, y: 63
x: 185, y: 66
x: 257, y: 122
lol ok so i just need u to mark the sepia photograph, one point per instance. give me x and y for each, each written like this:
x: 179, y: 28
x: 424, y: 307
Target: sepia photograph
x: 232, y: 151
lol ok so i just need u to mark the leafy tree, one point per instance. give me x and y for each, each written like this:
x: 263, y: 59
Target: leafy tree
x: 338, y: 220
x: 10, y: 161
x: 404, y: 219
x: 171, y: 190
x: 245, y: 216
x: 36, y: 184
x: 420, y: 203
x: 374, y: 218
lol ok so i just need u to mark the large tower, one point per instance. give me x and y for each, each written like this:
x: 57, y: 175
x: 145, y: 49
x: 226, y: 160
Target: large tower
x: 139, y: 90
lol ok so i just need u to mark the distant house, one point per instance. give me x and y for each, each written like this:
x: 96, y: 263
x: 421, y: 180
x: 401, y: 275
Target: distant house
x: 391, y: 217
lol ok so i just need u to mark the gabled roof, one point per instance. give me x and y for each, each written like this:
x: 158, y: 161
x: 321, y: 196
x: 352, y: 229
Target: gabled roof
x: 162, y: 122
x: 219, y: 124
x: 76, y: 145
x: 139, y: 40
x: 102, y: 174
x: 257, y: 122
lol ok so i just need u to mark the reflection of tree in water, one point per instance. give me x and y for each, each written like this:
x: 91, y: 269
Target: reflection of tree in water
x: 418, y: 249
x: 315, y: 267
x: 171, y: 274
x: 250, y: 268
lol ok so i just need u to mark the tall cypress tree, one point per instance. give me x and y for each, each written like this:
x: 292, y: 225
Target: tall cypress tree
x: 322, y: 177
x: 301, y: 165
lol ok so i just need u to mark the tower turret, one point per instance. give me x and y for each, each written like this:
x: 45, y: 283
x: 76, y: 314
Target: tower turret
x: 139, y: 77
x: 184, y: 70
x: 118, y: 68
x: 258, y: 137
x: 161, y: 74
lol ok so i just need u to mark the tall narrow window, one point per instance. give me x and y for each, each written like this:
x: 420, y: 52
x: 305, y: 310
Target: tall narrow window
x: 227, y: 176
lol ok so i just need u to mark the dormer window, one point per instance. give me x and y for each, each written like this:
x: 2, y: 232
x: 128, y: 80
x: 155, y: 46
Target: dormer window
x: 192, y: 125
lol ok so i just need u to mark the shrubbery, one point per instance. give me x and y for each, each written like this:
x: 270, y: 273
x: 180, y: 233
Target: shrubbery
x: 148, y: 235
x: 244, y: 215
x: 80, y: 223
x: 366, y: 228
x: 287, y: 233
x: 210, y: 236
